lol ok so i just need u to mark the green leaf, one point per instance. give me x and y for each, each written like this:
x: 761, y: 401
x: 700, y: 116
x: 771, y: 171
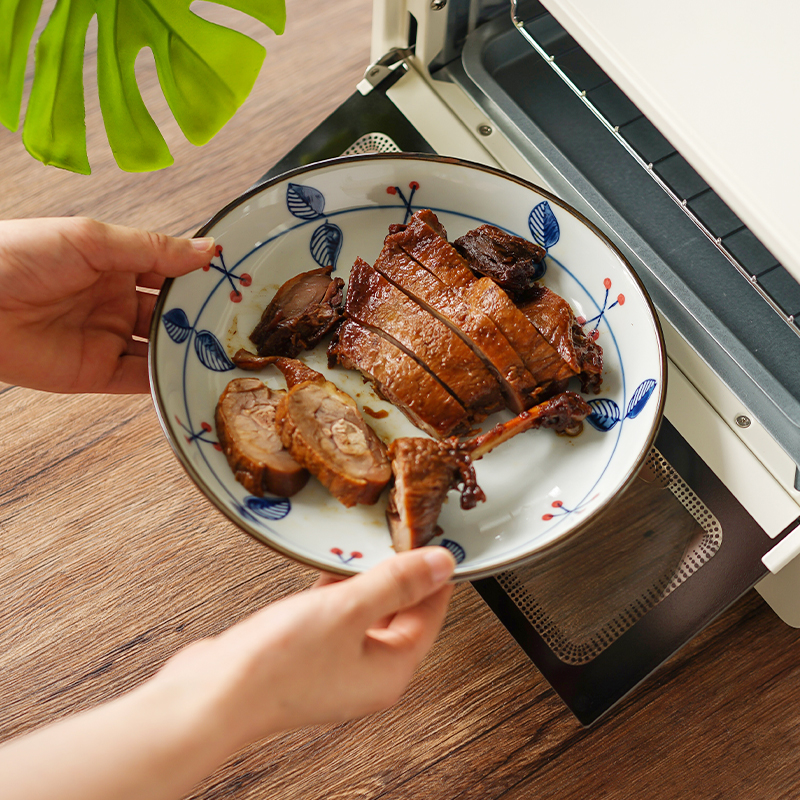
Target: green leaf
x: 206, y: 72
x: 15, y: 39
x: 55, y: 127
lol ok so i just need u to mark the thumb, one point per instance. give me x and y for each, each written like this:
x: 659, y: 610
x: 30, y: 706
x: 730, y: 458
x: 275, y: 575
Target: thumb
x: 400, y: 582
x: 116, y: 248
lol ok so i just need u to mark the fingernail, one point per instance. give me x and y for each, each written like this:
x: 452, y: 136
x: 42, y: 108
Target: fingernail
x: 204, y: 244
x: 440, y: 562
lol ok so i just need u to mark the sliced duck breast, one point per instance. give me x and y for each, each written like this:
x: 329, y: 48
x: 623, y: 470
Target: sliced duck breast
x: 374, y: 302
x: 421, y: 241
x: 464, y: 318
x: 400, y: 379
x: 543, y: 361
x: 553, y: 316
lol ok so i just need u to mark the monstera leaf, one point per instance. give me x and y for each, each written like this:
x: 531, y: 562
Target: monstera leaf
x: 206, y: 72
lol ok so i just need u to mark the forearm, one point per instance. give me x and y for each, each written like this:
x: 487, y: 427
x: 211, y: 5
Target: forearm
x: 325, y: 655
x: 154, y: 743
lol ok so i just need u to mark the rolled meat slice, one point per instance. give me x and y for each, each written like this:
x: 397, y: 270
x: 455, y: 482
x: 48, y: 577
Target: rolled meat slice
x: 323, y: 430
x: 245, y: 420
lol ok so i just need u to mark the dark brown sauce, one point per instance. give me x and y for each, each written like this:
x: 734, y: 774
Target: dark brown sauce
x: 377, y: 414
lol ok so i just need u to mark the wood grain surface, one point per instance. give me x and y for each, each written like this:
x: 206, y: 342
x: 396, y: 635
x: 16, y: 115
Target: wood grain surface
x: 111, y: 559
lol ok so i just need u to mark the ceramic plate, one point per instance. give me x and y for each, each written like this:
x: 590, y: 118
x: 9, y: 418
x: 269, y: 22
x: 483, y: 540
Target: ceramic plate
x: 540, y: 487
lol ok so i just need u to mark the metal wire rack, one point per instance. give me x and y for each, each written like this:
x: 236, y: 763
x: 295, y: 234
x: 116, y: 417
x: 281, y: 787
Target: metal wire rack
x: 663, y: 163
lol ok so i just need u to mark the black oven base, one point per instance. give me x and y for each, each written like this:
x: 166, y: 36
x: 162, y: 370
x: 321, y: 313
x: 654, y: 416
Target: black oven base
x: 592, y: 689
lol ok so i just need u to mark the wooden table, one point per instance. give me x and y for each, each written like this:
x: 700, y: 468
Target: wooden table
x: 111, y: 559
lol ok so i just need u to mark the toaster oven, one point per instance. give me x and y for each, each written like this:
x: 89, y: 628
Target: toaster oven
x: 570, y: 95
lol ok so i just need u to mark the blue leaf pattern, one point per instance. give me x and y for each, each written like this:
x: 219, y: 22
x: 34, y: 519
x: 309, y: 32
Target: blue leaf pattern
x: 455, y: 548
x: 326, y: 244
x: 304, y: 202
x: 640, y: 398
x: 605, y: 414
x: 211, y: 353
x: 177, y: 324
x: 543, y: 225
x: 271, y: 508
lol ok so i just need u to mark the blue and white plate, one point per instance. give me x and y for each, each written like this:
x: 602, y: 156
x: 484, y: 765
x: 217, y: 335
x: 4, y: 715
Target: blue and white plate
x: 540, y: 487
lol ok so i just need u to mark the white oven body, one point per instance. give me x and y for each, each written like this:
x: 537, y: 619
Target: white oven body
x: 748, y: 460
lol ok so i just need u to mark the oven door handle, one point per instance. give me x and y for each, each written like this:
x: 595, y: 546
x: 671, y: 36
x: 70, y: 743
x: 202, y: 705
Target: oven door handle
x: 785, y: 551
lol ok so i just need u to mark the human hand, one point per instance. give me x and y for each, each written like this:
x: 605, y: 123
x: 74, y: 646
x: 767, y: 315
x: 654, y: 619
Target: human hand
x: 69, y: 304
x: 340, y: 650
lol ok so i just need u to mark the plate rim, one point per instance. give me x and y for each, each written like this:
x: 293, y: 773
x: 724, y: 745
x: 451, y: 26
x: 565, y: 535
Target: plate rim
x: 460, y: 575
